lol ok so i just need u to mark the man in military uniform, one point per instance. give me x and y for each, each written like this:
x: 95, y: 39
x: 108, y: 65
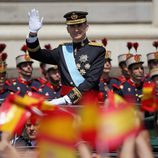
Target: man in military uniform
x: 122, y: 63
x: 80, y: 62
x: 123, y: 67
x: 132, y: 88
x: 152, y: 59
x: 5, y: 88
x: 22, y: 85
x: 52, y: 88
x: 107, y: 82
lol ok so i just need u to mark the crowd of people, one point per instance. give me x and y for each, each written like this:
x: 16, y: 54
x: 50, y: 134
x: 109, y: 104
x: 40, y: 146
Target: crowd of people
x: 71, y: 71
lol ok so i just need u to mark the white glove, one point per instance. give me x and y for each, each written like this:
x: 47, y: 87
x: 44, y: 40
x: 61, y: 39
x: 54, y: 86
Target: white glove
x: 61, y: 101
x: 34, y: 21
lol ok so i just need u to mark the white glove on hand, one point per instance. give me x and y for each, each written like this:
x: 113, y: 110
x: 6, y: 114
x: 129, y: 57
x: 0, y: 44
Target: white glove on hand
x: 34, y: 21
x: 61, y: 101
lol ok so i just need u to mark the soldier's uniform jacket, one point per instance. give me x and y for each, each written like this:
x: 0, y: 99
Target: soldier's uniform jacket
x: 122, y: 78
x: 110, y: 84
x: 6, y: 91
x: 37, y: 83
x: 20, y: 86
x: 130, y: 91
x: 50, y: 91
x: 89, y: 59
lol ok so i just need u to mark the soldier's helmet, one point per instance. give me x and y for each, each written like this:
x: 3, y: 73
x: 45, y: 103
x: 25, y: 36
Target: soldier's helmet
x: 24, y: 57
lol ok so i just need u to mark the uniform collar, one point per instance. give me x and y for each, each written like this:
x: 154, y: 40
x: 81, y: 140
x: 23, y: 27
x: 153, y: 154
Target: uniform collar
x: 78, y: 45
x: 42, y: 80
x: 24, y: 81
x: 132, y: 83
x: 105, y: 80
x: 56, y: 87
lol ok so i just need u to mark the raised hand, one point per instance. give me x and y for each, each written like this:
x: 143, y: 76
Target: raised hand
x: 35, y: 23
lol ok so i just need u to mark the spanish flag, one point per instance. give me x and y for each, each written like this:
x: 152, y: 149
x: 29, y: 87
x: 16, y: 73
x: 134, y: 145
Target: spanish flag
x: 118, y: 120
x: 89, y: 114
x: 149, y: 101
x: 12, y: 117
x: 58, y: 135
x: 33, y: 102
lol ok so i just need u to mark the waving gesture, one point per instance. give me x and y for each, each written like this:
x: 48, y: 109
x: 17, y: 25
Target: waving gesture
x: 35, y: 23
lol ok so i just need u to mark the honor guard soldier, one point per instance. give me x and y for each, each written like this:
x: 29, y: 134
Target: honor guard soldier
x: 80, y: 62
x: 122, y: 64
x: 22, y: 85
x: 42, y: 80
x: 5, y: 88
x: 52, y: 88
x: 152, y: 59
x: 107, y: 82
x: 132, y: 88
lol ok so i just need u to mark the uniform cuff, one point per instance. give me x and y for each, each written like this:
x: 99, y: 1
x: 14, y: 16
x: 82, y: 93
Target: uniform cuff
x: 74, y: 95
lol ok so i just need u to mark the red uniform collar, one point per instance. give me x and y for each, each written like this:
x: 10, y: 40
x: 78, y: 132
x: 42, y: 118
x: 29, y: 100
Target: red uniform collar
x: 24, y: 81
x: 42, y: 80
x: 132, y: 83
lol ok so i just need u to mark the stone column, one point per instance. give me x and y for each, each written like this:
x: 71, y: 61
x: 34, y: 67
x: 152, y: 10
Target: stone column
x: 155, y: 12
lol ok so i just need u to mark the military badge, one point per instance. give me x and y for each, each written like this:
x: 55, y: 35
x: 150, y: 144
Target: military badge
x: 78, y: 65
x: 87, y: 66
x: 82, y: 71
x: 83, y: 58
x: 74, y: 16
x: 137, y: 58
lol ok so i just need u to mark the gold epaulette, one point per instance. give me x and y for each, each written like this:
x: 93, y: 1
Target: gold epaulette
x: 95, y: 44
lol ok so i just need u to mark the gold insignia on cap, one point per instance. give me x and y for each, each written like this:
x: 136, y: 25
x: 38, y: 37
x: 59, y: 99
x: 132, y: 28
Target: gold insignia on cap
x: 137, y: 58
x: 27, y: 57
x: 74, y: 16
x: 107, y: 54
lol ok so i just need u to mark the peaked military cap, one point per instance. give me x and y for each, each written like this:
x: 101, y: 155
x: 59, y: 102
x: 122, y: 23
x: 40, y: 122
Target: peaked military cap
x: 152, y: 56
x: 50, y: 66
x: 75, y: 17
x: 123, y: 57
x: 153, y: 72
x: 23, y: 59
x: 134, y: 59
